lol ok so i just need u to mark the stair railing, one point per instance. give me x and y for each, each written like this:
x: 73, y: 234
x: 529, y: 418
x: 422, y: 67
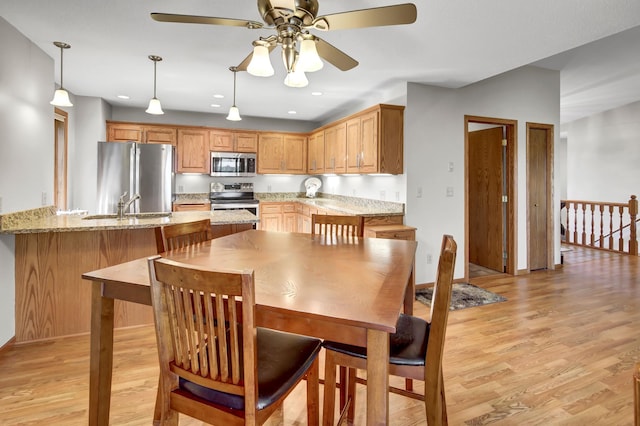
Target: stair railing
x: 601, y: 225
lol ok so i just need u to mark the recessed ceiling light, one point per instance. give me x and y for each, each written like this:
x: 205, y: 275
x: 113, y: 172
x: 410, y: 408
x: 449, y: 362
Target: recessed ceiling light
x: 218, y: 96
x: 316, y: 93
x: 292, y: 112
x: 215, y: 106
x: 123, y: 97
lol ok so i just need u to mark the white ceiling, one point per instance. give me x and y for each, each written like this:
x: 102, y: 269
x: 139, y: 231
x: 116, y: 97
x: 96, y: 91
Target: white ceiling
x: 452, y: 44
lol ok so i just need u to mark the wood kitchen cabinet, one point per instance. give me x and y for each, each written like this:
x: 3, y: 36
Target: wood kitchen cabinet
x: 134, y: 132
x: 229, y: 141
x: 335, y: 142
x: 283, y: 153
x: 375, y: 140
x: 315, y: 157
x: 193, y: 151
x: 277, y: 216
x: 191, y: 207
x: 393, y: 232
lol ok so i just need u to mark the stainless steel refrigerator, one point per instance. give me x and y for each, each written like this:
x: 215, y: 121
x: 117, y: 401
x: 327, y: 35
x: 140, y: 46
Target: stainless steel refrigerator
x: 145, y: 169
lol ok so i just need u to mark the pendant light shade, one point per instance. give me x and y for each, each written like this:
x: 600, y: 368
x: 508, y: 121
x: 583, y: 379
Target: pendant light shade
x: 260, y: 64
x: 60, y: 96
x: 155, y: 107
x: 234, y: 112
x: 296, y: 78
x: 309, y: 60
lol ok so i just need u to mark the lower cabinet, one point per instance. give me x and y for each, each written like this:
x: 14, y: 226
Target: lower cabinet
x: 191, y: 207
x: 393, y: 232
x: 228, y: 229
x: 279, y: 217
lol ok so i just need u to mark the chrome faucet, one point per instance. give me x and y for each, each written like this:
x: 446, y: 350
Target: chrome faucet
x: 123, y: 205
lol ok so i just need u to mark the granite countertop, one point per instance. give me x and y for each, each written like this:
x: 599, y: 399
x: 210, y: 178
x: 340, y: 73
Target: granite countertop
x: 192, y: 198
x: 348, y: 205
x: 45, y: 220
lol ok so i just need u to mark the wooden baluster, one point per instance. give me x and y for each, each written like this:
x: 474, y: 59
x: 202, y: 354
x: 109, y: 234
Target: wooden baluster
x: 620, y: 239
x: 593, y: 238
x: 575, y: 223
x: 633, y: 237
x: 610, y: 245
x: 601, y: 239
x: 584, y: 224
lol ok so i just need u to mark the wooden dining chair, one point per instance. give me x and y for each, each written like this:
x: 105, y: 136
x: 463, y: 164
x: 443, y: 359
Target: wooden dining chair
x: 337, y: 225
x: 416, y: 351
x: 178, y: 235
x: 215, y: 364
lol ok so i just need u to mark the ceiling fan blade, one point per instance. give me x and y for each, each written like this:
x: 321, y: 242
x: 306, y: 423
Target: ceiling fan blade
x: 210, y: 20
x: 335, y: 56
x: 375, y: 17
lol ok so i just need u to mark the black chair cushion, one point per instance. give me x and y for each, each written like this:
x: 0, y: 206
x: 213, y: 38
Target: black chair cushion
x: 412, y: 353
x: 283, y: 358
x: 404, y: 332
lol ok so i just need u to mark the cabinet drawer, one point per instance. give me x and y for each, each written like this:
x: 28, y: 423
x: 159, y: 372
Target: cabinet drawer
x: 270, y: 208
x: 289, y: 208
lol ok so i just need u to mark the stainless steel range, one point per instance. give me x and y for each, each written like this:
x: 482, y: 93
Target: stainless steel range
x: 234, y: 196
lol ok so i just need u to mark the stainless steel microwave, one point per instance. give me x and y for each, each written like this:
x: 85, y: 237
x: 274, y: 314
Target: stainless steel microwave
x: 233, y: 164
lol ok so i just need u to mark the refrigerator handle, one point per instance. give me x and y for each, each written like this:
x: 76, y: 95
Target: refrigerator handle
x: 134, y: 183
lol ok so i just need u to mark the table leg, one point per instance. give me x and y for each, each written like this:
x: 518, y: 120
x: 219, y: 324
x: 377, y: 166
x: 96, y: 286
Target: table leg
x: 409, y: 297
x: 101, y: 356
x: 377, y: 377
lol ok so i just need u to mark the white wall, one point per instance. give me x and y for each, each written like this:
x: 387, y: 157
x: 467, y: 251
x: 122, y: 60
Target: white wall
x: 434, y: 136
x: 603, y: 155
x: 26, y: 147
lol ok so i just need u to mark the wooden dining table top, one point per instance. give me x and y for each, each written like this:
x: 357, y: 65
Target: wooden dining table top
x: 356, y: 281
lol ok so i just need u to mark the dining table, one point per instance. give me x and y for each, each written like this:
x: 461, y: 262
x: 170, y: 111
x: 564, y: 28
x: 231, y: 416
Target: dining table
x: 345, y: 289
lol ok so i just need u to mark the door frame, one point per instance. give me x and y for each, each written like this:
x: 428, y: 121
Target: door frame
x: 549, y: 129
x: 510, y: 175
x: 60, y: 148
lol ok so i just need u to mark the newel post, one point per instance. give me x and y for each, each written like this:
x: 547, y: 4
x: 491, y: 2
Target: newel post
x: 633, y: 237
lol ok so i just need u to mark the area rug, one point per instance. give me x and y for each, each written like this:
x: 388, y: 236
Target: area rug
x: 464, y: 295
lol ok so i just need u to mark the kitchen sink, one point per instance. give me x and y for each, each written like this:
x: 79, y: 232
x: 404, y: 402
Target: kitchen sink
x: 146, y: 215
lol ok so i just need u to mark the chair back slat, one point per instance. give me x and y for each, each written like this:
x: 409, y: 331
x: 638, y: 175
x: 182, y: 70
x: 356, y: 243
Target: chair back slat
x: 204, y: 324
x: 342, y: 225
x: 179, y: 235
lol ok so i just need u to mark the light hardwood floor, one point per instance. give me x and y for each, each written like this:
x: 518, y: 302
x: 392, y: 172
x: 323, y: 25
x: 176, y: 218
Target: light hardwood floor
x: 560, y: 351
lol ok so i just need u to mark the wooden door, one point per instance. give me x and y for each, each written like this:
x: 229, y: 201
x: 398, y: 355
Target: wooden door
x: 353, y: 145
x: 369, y: 143
x: 295, y: 154
x: 246, y: 142
x: 160, y: 135
x: 315, y: 159
x: 486, y: 223
x: 538, y: 200
x: 220, y: 140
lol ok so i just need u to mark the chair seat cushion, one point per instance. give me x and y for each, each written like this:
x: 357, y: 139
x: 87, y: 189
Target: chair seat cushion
x: 283, y: 359
x: 413, y: 353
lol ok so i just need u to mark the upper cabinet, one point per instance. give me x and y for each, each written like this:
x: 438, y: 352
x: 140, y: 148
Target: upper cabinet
x: 193, y: 151
x: 230, y: 141
x: 335, y: 148
x: 375, y: 140
x: 282, y: 153
x: 142, y: 133
x: 315, y: 157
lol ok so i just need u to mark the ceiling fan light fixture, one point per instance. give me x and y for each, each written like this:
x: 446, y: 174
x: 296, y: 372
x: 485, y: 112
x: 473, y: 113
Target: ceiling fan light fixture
x: 296, y: 79
x: 308, y: 59
x: 61, y: 96
x: 154, y: 104
x: 260, y: 64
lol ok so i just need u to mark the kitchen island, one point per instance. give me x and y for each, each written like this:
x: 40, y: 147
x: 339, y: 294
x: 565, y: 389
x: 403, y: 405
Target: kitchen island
x: 53, y: 251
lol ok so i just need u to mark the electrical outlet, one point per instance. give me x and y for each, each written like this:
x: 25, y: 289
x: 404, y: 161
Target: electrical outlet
x: 268, y: 188
x: 44, y: 198
x: 429, y: 258
x: 383, y: 195
x: 450, y: 166
x: 180, y: 188
x: 354, y: 192
x: 449, y: 191
x: 419, y: 193
x: 397, y: 195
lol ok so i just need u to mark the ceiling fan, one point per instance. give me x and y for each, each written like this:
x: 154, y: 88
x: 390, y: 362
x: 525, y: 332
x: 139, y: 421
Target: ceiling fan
x: 292, y: 20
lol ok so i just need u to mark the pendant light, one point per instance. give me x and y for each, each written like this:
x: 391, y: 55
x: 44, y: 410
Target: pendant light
x: 154, y: 104
x: 60, y: 96
x: 234, y: 112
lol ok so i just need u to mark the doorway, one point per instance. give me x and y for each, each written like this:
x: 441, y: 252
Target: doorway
x: 490, y: 194
x: 60, y: 137
x: 540, y: 196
